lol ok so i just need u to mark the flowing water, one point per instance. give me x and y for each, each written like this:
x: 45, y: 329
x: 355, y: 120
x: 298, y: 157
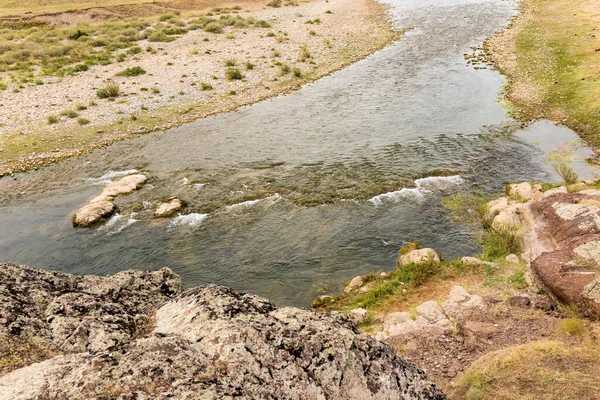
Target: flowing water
x: 293, y: 196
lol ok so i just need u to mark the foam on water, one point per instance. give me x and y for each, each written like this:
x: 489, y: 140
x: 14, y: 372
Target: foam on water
x: 199, y: 186
x: 250, y: 203
x: 109, y: 176
x: 114, y: 224
x: 192, y: 220
x: 422, y: 186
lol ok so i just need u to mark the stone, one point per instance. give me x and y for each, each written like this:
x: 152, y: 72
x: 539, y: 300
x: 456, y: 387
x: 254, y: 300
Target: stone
x: 80, y: 314
x: 205, y: 343
x: 418, y: 256
x: 95, y: 211
x: 431, y: 311
x: 481, y: 329
x: 509, y: 216
x: 519, y: 301
x: 358, y: 315
x: 168, y: 208
x: 512, y: 258
x: 461, y: 303
x: 384, y: 275
x: 355, y: 284
x: 522, y: 190
x: 124, y: 185
x: 554, y: 191
x: 498, y: 205
x: 102, y: 206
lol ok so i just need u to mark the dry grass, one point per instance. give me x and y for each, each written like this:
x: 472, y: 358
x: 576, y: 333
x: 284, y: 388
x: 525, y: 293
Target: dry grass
x: 533, y: 371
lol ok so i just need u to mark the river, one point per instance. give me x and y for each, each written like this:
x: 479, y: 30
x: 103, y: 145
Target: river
x: 290, y: 197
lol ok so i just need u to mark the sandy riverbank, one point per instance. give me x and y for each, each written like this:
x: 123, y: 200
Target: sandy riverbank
x: 185, y: 79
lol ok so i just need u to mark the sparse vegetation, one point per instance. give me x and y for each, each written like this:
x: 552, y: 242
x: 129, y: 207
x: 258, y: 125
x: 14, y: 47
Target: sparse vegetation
x: 133, y: 71
x: 110, y: 91
x: 205, y: 86
x: 69, y: 113
x: 568, y: 175
x: 231, y: 62
x: 83, y: 121
x: 233, y: 74
x: 52, y: 119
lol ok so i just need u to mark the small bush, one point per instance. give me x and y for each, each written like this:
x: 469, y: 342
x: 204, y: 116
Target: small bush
x: 83, y: 121
x: 80, y: 107
x: 274, y: 3
x: 304, y: 53
x: 297, y: 72
x: 231, y: 62
x: 517, y: 279
x: 160, y: 36
x: 214, y: 27
x: 70, y: 113
x: 111, y: 90
x: 262, y: 24
x: 285, y: 69
x: 312, y: 33
x: 328, y: 12
x: 271, y: 34
x: 155, y: 90
x: 205, y: 86
x: 498, y: 243
x: 249, y: 65
x: 52, y: 119
x: 568, y: 175
x: 233, y: 74
x: 133, y: 71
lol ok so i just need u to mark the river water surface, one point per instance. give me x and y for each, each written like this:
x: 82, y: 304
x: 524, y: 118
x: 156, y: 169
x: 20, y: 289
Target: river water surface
x: 293, y: 196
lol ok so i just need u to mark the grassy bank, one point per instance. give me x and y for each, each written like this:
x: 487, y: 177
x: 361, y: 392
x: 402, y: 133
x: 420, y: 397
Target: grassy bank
x: 551, y: 55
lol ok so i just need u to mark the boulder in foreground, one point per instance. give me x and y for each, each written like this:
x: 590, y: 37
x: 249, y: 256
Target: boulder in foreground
x: 208, y: 342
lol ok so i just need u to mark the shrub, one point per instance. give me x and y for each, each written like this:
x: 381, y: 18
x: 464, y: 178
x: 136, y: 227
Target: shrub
x: 111, y: 90
x: 518, y: 279
x: 262, y: 24
x: 155, y: 90
x: 160, y: 36
x: 304, y: 53
x: 133, y: 71
x: 285, y: 69
x: 271, y: 34
x: 297, y: 72
x: 83, y: 121
x: 70, y: 113
x: 565, y: 171
x: 233, y: 74
x: 52, y: 119
x: 498, y: 243
x: 80, y: 107
x: 274, y: 3
x: 214, y: 27
x: 205, y: 86
x: 231, y: 62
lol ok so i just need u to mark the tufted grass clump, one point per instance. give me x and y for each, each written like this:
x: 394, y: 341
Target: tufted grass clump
x: 230, y: 62
x: 214, y: 27
x: 571, y: 326
x: 52, y: 119
x: 69, y: 113
x: 262, y: 24
x: 83, y: 121
x: 568, y: 175
x: 132, y: 71
x: 205, y: 86
x: 233, y: 74
x: 297, y: 72
x: 110, y: 91
x: 160, y: 36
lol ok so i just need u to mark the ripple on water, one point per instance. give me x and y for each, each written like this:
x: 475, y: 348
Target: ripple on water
x: 423, y: 186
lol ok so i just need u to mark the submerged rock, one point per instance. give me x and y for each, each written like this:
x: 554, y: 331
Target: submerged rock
x: 209, y: 343
x: 102, y: 206
x: 168, y: 208
x: 96, y: 210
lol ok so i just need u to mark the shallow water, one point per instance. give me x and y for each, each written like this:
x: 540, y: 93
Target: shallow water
x: 293, y: 196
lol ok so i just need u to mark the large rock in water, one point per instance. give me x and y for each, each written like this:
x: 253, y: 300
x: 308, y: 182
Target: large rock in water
x: 207, y: 343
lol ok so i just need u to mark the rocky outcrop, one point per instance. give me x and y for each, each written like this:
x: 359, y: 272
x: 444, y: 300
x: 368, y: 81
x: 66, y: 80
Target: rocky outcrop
x: 430, y: 317
x: 102, y: 206
x: 168, y: 208
x: 206, y: 343
x: 568, y: 224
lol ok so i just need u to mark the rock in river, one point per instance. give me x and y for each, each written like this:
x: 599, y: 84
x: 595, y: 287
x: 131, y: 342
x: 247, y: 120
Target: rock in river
x: 168, y: 208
